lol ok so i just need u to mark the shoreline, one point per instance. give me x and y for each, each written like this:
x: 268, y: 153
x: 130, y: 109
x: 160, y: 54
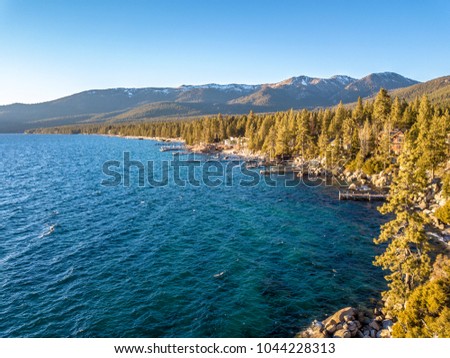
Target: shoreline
x: 208, y: 149
x: 156, y: 139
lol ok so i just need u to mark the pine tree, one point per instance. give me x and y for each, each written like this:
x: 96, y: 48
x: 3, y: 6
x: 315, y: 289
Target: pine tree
x: 327, y: 116
x: 270, y: 143
x: 263, y: 132
x: 397, y: 114
x: 419, y: 132
x: 350, y: 137
x: 384, y: 145
x: 323, y: 143
x: 337, y: 121
x: 382, y: 107
x: 427, y: 312
x: 283, y: 138
x: 222, y: 127
x: 358, y: 112
x: 336, y: 151
x: 366, y: 140
x: 406, y: 255
x: 409, y: 117
x: 432, y: 145
x: 249, y: 125
x: 302, y: 134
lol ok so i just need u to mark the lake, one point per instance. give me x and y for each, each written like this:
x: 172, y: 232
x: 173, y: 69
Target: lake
x: 81, y: 256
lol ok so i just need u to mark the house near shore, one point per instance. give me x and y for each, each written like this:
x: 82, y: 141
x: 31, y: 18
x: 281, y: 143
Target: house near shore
x: 397, y: 139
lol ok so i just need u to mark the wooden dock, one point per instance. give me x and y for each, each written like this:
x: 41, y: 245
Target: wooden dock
x: 348, y: 195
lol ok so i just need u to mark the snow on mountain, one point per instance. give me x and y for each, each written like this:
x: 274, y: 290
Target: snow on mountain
x: 303, y: 81
x: 227, y: 87
x: 293, y: 81
x: 345, y: 80
x: 295, y: 92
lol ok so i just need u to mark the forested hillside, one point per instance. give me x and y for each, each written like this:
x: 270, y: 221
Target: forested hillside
x: 360, y: 135
x: 437, y: 91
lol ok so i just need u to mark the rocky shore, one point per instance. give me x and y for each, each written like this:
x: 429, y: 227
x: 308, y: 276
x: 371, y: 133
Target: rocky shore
x: 350, y: 323
x: 229, y: 150
x: 353, y: 181
x: 158, y: 139
x: 357, y: 181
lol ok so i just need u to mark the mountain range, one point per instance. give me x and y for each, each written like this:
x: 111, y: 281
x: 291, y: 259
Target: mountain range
x: 131, y: 104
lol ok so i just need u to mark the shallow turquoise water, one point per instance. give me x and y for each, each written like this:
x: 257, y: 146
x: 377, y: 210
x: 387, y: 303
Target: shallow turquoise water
x: 78, y: 259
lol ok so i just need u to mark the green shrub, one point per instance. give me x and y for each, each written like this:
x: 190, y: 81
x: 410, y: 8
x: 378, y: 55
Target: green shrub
x: 372, y: 166
x: 352, y: 166
x: 356, y: 163
x: 443, y: 213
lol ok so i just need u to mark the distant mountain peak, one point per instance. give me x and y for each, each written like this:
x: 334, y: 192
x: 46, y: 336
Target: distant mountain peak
x: 388, y: 76
x: 345, y: 80
x: 293, y: 81
x: 121, y: 104
x: 302, y: 81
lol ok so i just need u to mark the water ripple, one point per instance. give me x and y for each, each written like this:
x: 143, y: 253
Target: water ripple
x: 81, y: 260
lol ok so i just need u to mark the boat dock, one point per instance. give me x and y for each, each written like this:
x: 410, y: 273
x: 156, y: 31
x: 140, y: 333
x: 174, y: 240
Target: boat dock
x: 348, y: 195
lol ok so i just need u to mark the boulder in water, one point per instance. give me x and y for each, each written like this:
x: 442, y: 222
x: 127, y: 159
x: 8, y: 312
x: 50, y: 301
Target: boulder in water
x: 339, y: 316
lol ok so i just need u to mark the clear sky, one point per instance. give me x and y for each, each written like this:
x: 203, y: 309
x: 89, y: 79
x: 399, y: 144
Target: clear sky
x: 53, y: 48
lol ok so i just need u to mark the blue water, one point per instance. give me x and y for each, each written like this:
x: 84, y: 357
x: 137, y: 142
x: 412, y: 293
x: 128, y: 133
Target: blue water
x: 78, y: 259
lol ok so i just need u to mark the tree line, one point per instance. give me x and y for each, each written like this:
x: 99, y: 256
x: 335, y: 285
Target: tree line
x: 358, y: 135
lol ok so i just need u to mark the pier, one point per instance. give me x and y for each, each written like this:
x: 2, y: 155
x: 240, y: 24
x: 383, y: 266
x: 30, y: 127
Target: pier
x: 347, y: 195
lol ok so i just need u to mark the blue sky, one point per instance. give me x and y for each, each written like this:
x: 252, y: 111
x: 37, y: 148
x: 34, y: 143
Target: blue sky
x: 51, y: 48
